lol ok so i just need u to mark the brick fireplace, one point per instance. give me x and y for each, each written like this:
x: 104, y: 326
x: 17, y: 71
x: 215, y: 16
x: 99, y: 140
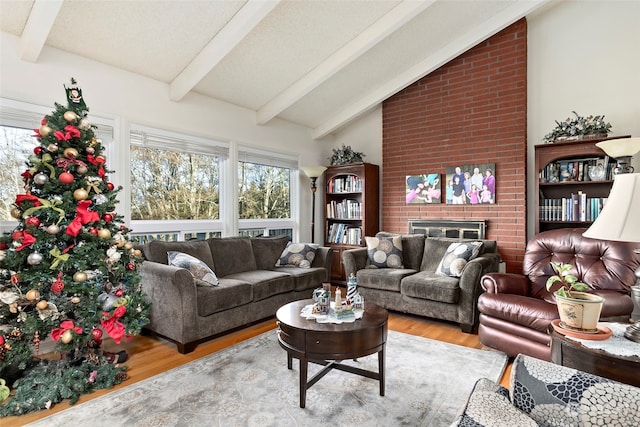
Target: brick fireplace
x: 472, y: 110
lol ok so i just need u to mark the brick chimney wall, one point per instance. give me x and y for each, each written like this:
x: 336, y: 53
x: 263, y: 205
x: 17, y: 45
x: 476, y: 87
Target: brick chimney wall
x: 472, y: 110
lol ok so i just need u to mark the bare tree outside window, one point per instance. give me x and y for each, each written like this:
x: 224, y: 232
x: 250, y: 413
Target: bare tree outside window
x: 168, y: 185
x: 16, y: 145
x: 264, y: 191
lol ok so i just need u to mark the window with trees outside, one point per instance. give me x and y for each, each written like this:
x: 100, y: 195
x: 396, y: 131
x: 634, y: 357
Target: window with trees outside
x: 264, y: 192
x: 181, y: 186
x: 17, y: 121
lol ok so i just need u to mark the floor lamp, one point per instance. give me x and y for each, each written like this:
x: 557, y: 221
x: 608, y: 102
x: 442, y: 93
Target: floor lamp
x: 618, y: 220
x: 313, y: 172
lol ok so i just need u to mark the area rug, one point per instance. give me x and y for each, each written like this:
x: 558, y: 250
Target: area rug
x: 248, y: 384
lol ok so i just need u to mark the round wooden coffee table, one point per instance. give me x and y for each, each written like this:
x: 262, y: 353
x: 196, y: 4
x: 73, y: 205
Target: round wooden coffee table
x: 328, y: 344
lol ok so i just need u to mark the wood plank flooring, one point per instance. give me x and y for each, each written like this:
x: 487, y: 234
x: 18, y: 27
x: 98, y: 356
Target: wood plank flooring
x: 152, y: 355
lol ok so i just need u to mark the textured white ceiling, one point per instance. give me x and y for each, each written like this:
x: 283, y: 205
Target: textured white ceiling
x: 319, y: 63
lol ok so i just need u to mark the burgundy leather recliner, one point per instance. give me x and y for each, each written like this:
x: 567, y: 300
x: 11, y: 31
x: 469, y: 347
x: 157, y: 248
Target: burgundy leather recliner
x: 516, y: 310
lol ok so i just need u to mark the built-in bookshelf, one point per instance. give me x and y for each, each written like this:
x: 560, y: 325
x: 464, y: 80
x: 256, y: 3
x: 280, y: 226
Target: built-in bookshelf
x: 351, y: 210
x: 574, y: 180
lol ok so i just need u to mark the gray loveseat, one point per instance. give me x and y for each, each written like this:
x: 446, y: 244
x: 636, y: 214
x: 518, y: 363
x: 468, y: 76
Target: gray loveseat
x: 417, y: 288
x: 251, y: 288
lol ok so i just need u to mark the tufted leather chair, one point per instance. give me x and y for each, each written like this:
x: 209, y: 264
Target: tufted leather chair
x: 516, y: 310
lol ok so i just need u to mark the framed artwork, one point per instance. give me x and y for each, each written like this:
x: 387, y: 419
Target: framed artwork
x: 422, y: 189
x: 471, y: 184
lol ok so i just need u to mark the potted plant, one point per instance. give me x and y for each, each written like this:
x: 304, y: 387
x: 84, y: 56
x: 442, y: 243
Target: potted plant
x: 578, y: 310
x: 345, y: 155
x: 573, y: 129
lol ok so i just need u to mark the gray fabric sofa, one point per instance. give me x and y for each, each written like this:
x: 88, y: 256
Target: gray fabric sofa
x: 417, y: 288
x: 251, y: 288
x: 544, y: 394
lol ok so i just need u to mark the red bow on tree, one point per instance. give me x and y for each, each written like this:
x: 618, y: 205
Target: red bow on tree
x: 64, y: 326
x: 111, y: 325
x: 27, y: 240
x: 83, y: 216
x: 97, y: 161
x: 27, y: 197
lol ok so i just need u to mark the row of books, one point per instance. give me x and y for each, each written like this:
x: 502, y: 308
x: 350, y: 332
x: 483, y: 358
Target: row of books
x: 578, y: 207
x: 344, y: 209
x: 344, y: 234
x: 344, y: 184
x: 578, y: 170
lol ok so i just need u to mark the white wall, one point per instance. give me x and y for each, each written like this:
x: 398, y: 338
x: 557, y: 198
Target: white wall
x: 363, y: 135
x: 582, y: 56
x: 131, y: 98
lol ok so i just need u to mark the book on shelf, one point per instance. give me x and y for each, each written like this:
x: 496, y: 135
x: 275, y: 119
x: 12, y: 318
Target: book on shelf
x: 576, y: 208
x: 344, y: 209
x: 345, y: 184
x: 341, y: 233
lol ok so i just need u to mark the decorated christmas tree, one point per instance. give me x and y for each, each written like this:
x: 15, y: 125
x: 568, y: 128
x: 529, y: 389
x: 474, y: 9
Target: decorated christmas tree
x: 67, y: 271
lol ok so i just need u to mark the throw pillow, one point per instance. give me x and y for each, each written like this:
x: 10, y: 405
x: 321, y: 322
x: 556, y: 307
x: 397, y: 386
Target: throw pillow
x: 196, y: 267
x: 385, y: 252
x: 457, y: 257
x: 298, y: 255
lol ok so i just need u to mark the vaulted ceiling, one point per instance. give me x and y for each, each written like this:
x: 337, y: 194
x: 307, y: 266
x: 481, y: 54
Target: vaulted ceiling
x: 318, y: 63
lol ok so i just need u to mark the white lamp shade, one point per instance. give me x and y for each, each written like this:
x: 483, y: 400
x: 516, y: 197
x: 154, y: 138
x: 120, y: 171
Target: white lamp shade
x: 620, y: 147
x: 313, y: 171
x: 620, y: 217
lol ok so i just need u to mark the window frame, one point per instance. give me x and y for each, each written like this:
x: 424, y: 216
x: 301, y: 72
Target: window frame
x: 28, y: 115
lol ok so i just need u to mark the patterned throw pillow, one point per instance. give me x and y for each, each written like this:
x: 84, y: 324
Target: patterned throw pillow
x: 196, y: 267
x: 457, y: 257
x: 298, y: 255
x: 385, y: 252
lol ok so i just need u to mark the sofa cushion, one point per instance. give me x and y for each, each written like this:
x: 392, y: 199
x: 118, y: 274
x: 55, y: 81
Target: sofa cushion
x: 265, y: 283
x: 196, y: 267
x: 456, y: 258
x: 228, y: 294
x: 267, y: 250
x: 412, y: 248
x: 489, y: 405
x: 385, y: 252
x: 556, y: 395
x: 426, y: 285
x: 386, y: 279
x: 298, y: 255
x: 305, y: 278
x: 158, y: 250
x: 232, y: 255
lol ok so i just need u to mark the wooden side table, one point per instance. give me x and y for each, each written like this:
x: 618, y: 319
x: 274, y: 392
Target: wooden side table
x: 570, y: 353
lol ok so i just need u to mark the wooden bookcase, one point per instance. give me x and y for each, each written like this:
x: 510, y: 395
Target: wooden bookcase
x: 565, y: 195
x: 351, y: 210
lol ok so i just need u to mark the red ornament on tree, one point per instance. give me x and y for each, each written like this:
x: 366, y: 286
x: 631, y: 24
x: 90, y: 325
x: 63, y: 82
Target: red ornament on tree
x: 58, y: 285
x: 93, y: 231
x: 66, y: 178
x: 37, y: 151
x: 107, y: 217
x: 33, y: 221
x: 131, y: 266
x: 97, y: 335
x: 110, y: 186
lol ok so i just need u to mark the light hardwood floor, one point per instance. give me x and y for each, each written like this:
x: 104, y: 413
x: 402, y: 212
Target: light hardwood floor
x: 152, y: 355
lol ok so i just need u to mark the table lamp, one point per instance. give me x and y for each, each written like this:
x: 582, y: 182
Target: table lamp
x: 313, y: 172
x: 619, y: 218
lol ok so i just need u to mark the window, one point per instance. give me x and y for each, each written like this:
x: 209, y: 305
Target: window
x: 175, y: 185
x: 16, y: 145
x: 17, y: 121
x: 265, y: 192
